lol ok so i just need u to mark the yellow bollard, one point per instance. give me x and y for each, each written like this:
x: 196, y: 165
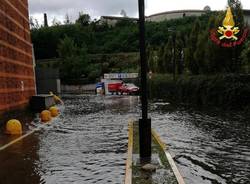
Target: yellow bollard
x: 54, y: 111
x: 14, y: 127
x: 45, y: 116
x: 56, y: 98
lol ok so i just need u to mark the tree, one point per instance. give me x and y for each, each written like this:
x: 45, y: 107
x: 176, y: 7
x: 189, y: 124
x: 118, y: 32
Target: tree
x: 74, y: 60
x: 168, y: 57
x: 245, y: 57
x: 83, y: 19
x: 56, y: 22
x: 192, y: 43
x: 200, y: 53
x: 152, y: 59
x: 123, y: 13
x: 160, y: 64
x: 67, y: 19
x: 34, y: 23
x: 180, y: 44
x: 236, y: 7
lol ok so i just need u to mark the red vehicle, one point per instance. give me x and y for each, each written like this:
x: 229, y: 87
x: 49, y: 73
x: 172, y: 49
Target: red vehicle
x: 129, y: 89
x: 114, y: 87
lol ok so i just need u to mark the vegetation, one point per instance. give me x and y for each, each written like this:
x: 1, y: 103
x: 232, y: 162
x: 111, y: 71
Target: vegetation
x: 229, y: 91
x: 87, y: 49
x: 163, y: 174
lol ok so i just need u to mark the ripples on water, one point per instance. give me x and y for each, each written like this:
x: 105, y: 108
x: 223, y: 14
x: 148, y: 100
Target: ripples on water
x: 208, y: 149
x: 88, y: 144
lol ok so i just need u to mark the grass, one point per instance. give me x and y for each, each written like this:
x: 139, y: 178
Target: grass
x: 163, y: 174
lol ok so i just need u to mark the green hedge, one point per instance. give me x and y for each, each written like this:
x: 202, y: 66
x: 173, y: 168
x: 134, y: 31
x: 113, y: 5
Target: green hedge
x: 226, y: 91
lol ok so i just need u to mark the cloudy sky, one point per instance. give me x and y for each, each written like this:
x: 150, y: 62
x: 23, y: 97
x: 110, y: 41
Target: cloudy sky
x: 97, y: 8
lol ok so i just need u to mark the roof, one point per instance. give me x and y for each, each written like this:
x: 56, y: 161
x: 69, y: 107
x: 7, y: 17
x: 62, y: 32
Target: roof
x: 177, y: 11
x: 246, y: 12
x: 118, y: 18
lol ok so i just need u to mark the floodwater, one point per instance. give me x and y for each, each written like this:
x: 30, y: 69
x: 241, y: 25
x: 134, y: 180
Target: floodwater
x: 209, y: 148
x: 87, y: 144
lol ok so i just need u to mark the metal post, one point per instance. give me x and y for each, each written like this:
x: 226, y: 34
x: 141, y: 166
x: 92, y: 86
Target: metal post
x: 174, y: 61
x: 144, y: 123
x: 45, y: 20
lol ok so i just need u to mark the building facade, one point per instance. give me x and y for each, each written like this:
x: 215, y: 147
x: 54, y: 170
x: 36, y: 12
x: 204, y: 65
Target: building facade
x: 174, y: 15
x: 112, y: 21
x: 168, y: 15
x: 17, y: 83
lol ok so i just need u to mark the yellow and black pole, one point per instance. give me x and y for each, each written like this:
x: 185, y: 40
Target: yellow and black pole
x: 145, y: 122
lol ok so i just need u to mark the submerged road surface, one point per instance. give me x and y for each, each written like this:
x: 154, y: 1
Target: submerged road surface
x: 209, y: 148
x: 86, y: 144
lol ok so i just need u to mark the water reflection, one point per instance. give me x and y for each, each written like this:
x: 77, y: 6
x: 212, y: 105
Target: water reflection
x: 87, y: 144
x: 208, y: 149
x: 19, y: 163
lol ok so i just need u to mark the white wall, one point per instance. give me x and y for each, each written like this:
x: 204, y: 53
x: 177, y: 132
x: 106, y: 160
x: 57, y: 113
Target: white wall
x: 173, y: 15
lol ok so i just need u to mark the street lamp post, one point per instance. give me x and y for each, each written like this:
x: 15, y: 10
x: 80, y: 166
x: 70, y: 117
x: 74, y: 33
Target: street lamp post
x: 144, y: 123
x: 174, y: 60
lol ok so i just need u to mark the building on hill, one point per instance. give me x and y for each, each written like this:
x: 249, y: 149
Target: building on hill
x: 168, y: 15
x: 17, y: 82
x: 111, y: 20
x: 174, y: 15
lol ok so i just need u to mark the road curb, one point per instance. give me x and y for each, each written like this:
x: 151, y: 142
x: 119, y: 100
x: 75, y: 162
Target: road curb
x: 128, y: 172
x: 172, y: 164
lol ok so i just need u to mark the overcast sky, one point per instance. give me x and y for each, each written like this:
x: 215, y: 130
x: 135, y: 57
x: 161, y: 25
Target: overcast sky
x: 97, y: 8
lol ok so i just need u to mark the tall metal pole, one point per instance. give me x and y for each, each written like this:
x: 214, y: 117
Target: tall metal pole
x: 174, y: 60
x: 144, y: 123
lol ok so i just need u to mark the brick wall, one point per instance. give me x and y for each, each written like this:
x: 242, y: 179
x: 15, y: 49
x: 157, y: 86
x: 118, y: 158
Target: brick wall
x: 16, y: 66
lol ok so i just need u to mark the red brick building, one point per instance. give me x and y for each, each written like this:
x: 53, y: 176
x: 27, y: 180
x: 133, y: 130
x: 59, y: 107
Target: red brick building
x: 16, y: 64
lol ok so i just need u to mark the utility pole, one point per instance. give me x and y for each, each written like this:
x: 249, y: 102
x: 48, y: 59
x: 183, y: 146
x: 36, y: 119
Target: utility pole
x: 45, y: 20
x: 144, y: 123
x: 174, y: 60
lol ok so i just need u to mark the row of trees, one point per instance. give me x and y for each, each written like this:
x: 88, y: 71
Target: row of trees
x: 75, y: 63
x: 184, y: 41
x: 83, y: 19
x: 195, y: 53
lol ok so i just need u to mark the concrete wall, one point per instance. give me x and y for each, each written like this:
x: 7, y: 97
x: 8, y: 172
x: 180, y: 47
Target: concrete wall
x: 16, y: 65
x: 47, y: 80
x: 78, y: 89
x: 112, y: 21
x: 166, y: 16
x: 174, y: 15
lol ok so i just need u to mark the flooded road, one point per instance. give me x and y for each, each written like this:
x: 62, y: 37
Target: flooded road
x: 87, y: 144
x: 208, y: 148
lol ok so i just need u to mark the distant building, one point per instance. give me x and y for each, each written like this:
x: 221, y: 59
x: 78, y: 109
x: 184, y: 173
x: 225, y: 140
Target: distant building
x: 17, y: 82
x: 168, y: 15
x: 111, y: 20
x: 174, y: 15
x: 207, y: 8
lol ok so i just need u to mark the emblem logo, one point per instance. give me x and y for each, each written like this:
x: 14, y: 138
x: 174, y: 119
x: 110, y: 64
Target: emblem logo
x: 228, y: 30
x: 228, y: 35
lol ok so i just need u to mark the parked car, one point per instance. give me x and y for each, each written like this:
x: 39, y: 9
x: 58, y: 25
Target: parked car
x: 129, y: 89
x: 114, y: 87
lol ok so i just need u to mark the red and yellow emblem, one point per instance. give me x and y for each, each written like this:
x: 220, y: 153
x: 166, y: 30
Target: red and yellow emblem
x: 228, y: 30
